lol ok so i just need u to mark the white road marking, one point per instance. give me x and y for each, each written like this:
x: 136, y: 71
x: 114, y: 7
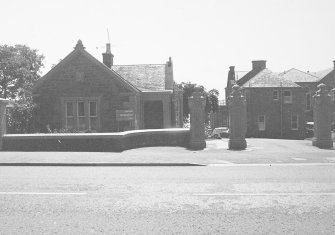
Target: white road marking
x: 299, y: 159
x: 41, y: 193
x: 271, y: 164
x: 264, y: 194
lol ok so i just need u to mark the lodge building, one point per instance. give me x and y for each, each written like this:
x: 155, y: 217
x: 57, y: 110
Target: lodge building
x: 85, y: 95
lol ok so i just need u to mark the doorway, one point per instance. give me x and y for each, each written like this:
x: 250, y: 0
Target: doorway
x: 153, y: 114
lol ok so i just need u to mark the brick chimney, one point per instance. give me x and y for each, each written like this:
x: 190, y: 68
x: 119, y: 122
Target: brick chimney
x: 169, y: 74
x: 334, y: 64
x: 231, y: 73
x: 258, y: 64
x: 107, y: 57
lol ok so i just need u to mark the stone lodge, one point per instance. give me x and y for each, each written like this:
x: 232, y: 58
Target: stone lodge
x: 82, y: 94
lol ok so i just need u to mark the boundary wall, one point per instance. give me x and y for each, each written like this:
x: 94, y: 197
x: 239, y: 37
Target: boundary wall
x: 97, y: 142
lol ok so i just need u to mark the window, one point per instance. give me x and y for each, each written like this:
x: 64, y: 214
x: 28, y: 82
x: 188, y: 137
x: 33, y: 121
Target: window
x: 308, y: 101
x: 287, y: 97
x: 261, y: 123
x: 332, y: 94
x: 93, y: 115
x: 275, y: 95
x: 69, y: 115
x: 294, y: 122
x: 81, y: 114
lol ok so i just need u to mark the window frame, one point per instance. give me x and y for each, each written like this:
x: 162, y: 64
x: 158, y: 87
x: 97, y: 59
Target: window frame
x: 295, y: 122
x: 259, y: 123
x: 308, y: 99
x: 75, y: 102
x: 275, y: 97
x: 287, y: 100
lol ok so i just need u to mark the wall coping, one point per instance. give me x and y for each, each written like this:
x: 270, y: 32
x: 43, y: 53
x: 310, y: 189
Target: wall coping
x: 114, y: 135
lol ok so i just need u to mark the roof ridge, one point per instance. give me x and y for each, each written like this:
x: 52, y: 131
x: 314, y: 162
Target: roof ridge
x: 134, y: 64
x: 304, y: 72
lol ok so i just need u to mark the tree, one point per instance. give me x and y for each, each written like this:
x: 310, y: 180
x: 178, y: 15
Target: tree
x: 19, y: 70
x: 212, y: 97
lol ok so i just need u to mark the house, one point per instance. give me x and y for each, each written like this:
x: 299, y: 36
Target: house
x: 83, y: 94
x: 275, y: 106
x: 309, y: 83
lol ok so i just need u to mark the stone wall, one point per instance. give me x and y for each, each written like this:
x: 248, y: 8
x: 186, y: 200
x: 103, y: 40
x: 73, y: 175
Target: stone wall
x: 99, y: 142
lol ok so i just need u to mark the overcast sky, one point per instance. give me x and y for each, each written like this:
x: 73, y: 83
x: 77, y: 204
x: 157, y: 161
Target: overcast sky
x: 203, y: 38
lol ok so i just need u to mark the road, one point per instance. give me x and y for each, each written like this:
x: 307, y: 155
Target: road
x: 239, y: 199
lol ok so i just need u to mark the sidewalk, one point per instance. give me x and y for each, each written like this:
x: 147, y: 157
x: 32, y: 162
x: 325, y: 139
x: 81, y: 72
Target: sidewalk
x: 259, y: 151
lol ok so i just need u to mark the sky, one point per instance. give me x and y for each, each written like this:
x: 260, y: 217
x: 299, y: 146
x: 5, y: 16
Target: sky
x: 203, y: 37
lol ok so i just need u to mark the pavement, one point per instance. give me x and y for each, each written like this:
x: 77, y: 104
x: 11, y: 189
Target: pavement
x: 259, y: 151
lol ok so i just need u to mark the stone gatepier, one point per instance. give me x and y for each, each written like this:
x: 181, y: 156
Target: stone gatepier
x: 322, y: 119
x: 237, y: 119
x: 197, y: 120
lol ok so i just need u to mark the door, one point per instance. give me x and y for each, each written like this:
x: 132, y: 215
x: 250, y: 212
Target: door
x: 153, y: 115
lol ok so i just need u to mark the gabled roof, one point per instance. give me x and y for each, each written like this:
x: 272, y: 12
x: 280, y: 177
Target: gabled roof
x: 329, y: 78
x: 146, y: 77
x: 267, y: 78
x: 80, y: 50
x: 240, y: 74
x: 247, y: 77
x: 323, y: 73
x: 295, y: 75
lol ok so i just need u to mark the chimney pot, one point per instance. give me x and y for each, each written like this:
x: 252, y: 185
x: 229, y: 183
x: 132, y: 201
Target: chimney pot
x: 258, y: 64
x: 108, y: 48
x: 169, y: 63
x: 107, y: 57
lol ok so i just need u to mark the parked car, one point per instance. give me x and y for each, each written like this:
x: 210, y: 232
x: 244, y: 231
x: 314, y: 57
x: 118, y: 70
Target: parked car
x: 220, y: 132
x: 309, y: 129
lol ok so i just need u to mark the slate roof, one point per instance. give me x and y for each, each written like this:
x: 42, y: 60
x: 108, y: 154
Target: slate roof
x: 267, y: 78
x: 323, y: 73
x: 146, y: 77
x: 295, y: 75
x: 80, y: 50
x: 240, y: 74
x: 247, y: 77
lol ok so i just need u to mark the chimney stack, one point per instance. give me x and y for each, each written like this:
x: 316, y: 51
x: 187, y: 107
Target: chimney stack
x: 231, y: 73
x: 169, y: 75
x: 334, y: 64
x: 107, y: 57
x: 258, y: 64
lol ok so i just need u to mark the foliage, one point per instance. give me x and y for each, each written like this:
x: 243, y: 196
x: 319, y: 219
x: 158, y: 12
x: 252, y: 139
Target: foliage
x: 19, y: 70
x: 20, y: 116
x: 212, y: 98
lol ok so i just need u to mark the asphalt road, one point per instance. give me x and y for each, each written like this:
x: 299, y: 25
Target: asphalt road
x: 240, y: 199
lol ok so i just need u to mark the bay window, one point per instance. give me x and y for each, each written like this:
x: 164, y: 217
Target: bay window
x: 81, y: 114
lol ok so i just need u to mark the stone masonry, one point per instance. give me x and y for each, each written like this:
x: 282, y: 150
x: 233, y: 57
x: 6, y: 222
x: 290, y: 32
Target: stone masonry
x: 3, y: 103
x: 322, y: 119
x: 197, y: 118
x: 237, y: 119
